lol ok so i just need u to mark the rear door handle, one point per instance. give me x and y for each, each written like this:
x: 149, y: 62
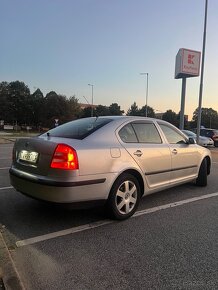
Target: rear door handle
x: 174, y: 151
x: 138, y: 153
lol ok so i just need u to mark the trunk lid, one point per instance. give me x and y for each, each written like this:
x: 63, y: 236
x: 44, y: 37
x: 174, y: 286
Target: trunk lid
x: 34, y: 155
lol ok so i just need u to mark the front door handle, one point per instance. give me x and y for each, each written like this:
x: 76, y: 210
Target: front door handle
x: 174, y: 151
x: 138, y: 153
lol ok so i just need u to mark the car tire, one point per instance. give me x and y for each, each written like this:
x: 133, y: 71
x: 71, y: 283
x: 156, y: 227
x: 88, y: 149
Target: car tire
x: 124, y: 197
x: 202, y: 174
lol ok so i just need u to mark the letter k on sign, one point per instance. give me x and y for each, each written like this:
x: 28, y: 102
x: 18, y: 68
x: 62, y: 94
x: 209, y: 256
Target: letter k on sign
x: 190, y: 58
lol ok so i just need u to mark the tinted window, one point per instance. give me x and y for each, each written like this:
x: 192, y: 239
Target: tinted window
x: 208, y: 132
x: 127, y: 134
x: 173, y: 137
x: 78, y: 129
x: 147, y: 133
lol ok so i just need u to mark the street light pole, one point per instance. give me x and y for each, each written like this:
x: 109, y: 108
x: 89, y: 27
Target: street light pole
x: 146, y: 96
x: 202, y: 75
x: 92, y: 99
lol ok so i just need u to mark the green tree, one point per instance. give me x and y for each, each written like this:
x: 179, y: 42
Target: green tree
x: 133, y: 110
x: 101, y: 111
x: 74, y: 108
x: 150, y: 112
x: 55, y: 107
x: 35, y: 106
x: 86, y: 112
x: 4, y: 101
x: 114, y: 110
x: 18, y: 110
x: 171, y: 117
x: 209, y: 118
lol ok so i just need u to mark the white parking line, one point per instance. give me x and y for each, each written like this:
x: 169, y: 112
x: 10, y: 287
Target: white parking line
x: 93, y: 225
x: 63, y: 233
x: 7, y: 187
x: 2, y: 168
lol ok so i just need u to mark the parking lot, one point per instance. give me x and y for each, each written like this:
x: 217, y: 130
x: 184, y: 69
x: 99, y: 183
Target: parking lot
x: 170, y: 243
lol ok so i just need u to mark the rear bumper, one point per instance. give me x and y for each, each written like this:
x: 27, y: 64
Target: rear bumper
x: 60, y: 191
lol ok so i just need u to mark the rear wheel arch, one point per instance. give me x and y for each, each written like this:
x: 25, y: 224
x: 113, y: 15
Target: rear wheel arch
x: 138, y: 176
x: 125, y: 195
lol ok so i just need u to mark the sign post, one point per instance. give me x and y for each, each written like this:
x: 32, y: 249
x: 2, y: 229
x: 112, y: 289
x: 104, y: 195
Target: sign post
x: 56, y: 122
x: 187, y: 65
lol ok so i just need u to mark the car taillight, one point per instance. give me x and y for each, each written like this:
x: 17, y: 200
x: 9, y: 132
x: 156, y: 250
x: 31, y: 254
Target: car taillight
x: 65, y: 157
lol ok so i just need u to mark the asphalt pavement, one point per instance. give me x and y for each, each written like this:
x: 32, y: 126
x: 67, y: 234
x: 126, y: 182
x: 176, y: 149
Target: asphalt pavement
x: 171, y: 244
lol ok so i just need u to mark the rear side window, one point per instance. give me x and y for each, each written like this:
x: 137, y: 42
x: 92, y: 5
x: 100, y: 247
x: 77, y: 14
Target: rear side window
x: 147, y: 133
x: 127, y: 134
x: 78, y: 129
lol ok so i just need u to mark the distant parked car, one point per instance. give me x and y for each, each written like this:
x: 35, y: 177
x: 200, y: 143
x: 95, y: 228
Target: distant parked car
x: 203, y: 141
x: 211, y: 133
x: 115, y: 160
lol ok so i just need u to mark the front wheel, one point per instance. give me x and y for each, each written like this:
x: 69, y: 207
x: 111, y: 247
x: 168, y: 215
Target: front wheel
x: 124, y: 197
x: 202, y: 174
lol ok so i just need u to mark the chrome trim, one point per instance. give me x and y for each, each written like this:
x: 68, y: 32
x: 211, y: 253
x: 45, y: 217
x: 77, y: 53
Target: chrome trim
x: 171, y: 170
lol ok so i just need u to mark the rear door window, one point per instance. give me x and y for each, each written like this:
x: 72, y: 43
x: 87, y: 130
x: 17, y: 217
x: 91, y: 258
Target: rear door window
x: 138, y: 132
x: 147, y: 133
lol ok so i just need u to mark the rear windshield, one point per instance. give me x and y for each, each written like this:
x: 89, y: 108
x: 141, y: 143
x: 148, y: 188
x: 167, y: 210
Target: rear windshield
x: 78, y: 129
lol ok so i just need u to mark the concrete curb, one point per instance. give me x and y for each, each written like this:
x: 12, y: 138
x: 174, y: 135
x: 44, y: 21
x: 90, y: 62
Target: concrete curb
x: 8, y: 272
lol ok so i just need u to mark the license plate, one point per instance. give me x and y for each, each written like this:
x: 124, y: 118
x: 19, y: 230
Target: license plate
x: 28, y: 156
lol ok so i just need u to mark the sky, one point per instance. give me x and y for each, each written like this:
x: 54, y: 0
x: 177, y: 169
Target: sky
x: 64, y: 45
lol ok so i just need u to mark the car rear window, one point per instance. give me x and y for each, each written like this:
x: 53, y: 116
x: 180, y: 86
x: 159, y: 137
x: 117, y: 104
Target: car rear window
x: 78, y: 129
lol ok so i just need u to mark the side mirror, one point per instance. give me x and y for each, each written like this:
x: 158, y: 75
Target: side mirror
x: 191, y: 140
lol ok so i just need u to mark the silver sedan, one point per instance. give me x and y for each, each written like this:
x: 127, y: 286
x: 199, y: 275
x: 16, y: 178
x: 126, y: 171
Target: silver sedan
x: 111, y: 160
x: 203, y: 141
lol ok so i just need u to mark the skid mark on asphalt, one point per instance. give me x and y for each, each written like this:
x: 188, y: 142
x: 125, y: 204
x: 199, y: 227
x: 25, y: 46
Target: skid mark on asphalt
x: 93, y: 225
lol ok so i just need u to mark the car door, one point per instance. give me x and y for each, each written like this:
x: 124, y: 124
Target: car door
x: 144, y: 143
x: 185, y: 157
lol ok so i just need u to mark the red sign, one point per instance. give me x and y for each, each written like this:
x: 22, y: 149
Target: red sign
x: 187, y: 63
